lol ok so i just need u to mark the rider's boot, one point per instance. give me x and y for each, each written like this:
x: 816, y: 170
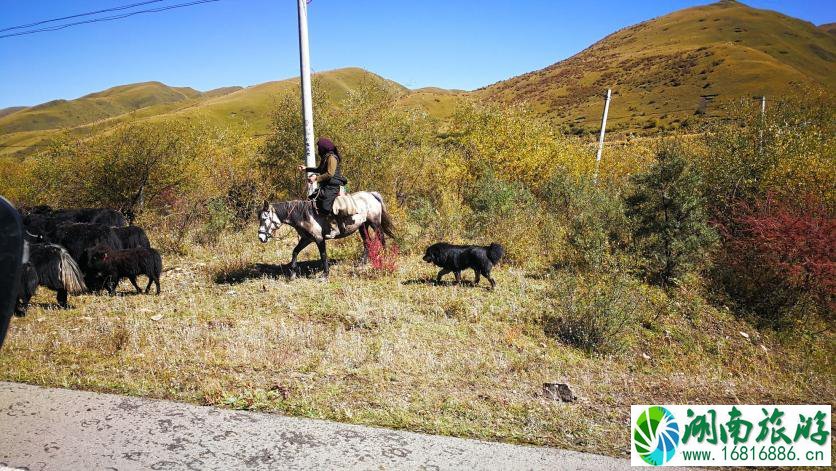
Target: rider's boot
x: 336, y: 229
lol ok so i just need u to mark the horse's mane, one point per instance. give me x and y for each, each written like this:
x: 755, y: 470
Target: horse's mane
x: 293, y: 211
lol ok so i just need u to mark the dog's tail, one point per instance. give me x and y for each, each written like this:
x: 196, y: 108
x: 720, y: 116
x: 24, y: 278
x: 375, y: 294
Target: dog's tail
x: 495, y: 252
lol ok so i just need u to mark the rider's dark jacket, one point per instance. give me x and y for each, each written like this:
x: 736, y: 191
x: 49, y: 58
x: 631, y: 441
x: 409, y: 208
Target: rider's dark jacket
x: 330, y: 178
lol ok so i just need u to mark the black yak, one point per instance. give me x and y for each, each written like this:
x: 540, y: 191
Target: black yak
x: 39, y: 215
x: 105, y: 216
x: 39, y: 225
x: 79, y: 237
x: 56, y: 270
x: 132, y: 237
x: 28, y: 287
x: 113, y: 265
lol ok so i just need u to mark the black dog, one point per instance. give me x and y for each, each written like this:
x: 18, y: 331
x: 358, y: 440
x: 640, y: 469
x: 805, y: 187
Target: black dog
x: 455, y: 258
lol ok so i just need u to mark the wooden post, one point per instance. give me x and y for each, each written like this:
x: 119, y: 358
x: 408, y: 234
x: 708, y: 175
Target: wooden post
x: 603, y: 131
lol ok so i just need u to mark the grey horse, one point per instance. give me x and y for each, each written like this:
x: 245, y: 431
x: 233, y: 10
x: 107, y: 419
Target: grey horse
x: 308, y: 222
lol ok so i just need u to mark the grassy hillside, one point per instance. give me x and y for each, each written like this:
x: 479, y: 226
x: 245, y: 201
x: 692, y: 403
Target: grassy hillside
x: 10, y: 110
x: 658, y: 69
x: 93, y: 107
x: 23, y: 131
x: 829, y: 28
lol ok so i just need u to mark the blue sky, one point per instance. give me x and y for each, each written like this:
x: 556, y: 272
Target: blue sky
x: 447, y: 43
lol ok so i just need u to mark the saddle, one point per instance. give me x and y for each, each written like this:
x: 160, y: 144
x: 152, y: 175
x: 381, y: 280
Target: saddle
x: 347, y: 210
x: 345, y: 206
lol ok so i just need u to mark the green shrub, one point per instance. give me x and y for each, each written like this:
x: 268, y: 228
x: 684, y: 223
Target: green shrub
x: 592, y: 313
x: 596, y: 229
x: 670, y: 224
x: 219, y: 218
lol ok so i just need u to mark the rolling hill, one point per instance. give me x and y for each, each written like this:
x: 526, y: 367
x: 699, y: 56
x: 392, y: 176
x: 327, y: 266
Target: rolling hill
x: 658, y: 69
x: 93, y: 107
x: 22, y: 131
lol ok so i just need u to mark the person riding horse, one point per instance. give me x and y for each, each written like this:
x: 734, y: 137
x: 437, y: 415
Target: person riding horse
x: 328, y: 176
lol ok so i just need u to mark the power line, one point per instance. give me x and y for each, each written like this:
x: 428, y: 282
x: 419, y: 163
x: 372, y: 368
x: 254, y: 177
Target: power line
x: 109, y: 18
x: 124, y: 7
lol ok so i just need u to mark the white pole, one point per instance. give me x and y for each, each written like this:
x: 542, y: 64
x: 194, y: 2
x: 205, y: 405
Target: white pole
x: 305, y: 72
x: 603, y: 131
x: 763, y: 105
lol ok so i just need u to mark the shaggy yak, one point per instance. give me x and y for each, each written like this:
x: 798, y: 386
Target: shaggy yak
x: 132, y: 237
x: 79, y: 238
x: 113, y: 265
x: 105, y: 216
x: 55, y: 269
x: 27, y: 289
x: 455, y: 258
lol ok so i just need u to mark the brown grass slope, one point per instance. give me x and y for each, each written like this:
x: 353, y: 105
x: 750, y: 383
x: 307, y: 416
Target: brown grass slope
x: 658, y: 69
x: 10, y: 110
x: 24, y: 131
x: 93, y: 107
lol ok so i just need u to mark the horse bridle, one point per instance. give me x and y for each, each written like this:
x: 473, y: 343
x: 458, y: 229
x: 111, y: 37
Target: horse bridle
x: 268, y: 233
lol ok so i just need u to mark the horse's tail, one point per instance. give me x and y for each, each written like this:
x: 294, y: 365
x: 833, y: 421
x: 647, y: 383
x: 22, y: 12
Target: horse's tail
x: 386, y: 224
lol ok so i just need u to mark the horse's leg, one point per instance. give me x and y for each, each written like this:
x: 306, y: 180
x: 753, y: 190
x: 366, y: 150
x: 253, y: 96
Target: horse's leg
x: 443, y: 272
x: 458, y: 277
x: 303, y: 242
x: 476, y: 280
x: 378, y: 232
x: 324, y: 256
x: 364, y: 235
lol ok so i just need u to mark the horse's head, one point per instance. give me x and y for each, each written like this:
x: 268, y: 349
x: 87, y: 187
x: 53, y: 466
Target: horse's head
x: 269, y: 222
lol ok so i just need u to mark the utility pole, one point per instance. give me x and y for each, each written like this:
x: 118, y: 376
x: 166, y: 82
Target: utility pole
x: 305, y: 73
x: 603, y: 131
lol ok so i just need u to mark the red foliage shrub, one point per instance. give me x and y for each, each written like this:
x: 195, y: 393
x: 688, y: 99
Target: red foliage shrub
x: 382, y: 258
x: 777, y: 242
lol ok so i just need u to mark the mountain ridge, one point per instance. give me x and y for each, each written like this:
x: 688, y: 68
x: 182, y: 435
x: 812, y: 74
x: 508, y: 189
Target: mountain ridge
x: 663, y: 65
x: 658, y: 70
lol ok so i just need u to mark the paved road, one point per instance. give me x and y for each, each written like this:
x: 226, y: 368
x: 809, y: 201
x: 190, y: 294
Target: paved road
x: 43, y: 428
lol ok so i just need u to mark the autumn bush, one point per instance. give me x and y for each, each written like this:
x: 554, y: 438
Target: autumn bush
x: 593, y: 314
x: 770, y: 186
x: 780, y: 259
x: 789, y: 152
x: 172, y: 176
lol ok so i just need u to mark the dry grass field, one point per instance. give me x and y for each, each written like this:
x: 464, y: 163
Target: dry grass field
x: 395, y: 350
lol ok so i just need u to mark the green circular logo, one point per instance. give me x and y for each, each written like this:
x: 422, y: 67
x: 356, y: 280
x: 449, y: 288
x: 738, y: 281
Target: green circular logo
x: 656, y: 435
